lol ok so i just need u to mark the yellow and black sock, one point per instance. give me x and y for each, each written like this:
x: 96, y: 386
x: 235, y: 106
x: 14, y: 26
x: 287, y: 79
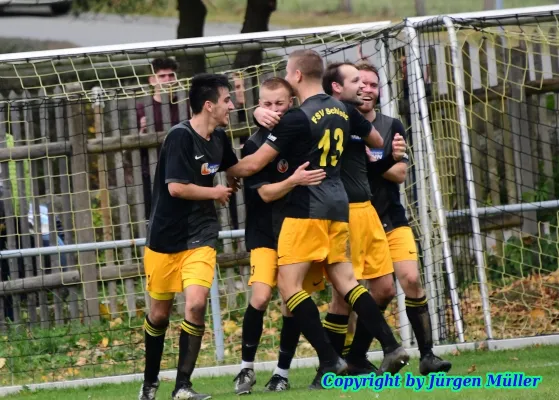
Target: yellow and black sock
x: 371, y: 318
x: 347, y: 343
x: 361, y: 341
x: 190, y: 342
x: 307, y: 316
x: 154, y: 336
x: 417, y: 311
x: 336, y: 329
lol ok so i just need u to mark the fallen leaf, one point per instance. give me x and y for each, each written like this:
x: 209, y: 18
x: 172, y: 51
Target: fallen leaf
x: 2, y: 362
x: 104, y: 342
x: 482, y: 346
x: 115, y: 322
x: 514, y: 358
x: 537, y: 313
x: 472, y: 369
x: 455, y: 352
x: 81, y: 362
x: 82, y: 342
x: 117, y: 343
x: 229, y: 327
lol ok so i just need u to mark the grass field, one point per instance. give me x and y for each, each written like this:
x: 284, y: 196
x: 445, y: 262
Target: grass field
x: 308, y: 13
x: 534, y: 361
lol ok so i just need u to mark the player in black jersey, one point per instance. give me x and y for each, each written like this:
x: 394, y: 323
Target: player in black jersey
x: 180, y: 253
x: 385, y: 177
x: 370, y: 254
x: 315, y: 228
x: 264, y: 194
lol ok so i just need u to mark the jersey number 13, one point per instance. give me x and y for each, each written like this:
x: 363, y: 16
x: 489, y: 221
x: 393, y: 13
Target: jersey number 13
x: 324, y: 144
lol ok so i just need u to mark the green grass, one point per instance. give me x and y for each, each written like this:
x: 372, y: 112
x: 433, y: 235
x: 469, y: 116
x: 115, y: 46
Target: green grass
x: 534, y: 361
x: 307, y: 13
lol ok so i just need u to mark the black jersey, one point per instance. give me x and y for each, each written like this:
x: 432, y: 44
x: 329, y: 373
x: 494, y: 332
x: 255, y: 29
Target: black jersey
x: 354, y: 170
x: 177, y: 224
x: 263, y: 219
x: 386, y: 194
x: 318, y: 132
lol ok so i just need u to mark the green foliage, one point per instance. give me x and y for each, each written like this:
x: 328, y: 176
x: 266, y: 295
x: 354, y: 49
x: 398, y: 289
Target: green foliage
x: 522, y: 257
x: 120, y: 6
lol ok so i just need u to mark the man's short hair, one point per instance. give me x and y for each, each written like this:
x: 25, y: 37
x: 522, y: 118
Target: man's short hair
x: 159, y: 64
x: 277, y: 83
x: 365, y: 66
x: 309, y: 63
x: 333, y: 74
x: 205, y: 87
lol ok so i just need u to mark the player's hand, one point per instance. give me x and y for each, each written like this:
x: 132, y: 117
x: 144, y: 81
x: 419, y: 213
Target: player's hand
x: 143, y: 125
x: 398, y: 147
x: 222, y: 194
x: 234, y: 183
x: 266, y: 118
x: 302, y: 177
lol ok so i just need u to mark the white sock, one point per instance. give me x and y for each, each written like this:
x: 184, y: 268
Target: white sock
x: 281, y: 372
x: 247, y: 364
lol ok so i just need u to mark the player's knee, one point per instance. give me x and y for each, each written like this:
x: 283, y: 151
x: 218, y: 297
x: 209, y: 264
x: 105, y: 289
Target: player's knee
x: 159, y: 315
x: 195, y: 306
x: 410, y: 281
x: 383, y: 294
x: 260, y: 301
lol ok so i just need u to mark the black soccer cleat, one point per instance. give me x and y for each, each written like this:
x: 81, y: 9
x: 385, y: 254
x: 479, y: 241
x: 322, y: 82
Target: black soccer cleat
x: 148, y: 390
x: 244, y: 381
x: 277, y: 383
x: 339, y: 368
x: 361, y: 367
x: 431, y: 363
x: 394, y: 361
x: 185, y: 392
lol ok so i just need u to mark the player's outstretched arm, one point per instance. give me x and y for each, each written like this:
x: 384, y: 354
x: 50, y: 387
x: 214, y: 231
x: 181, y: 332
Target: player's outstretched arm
x: 190, y: 191
x: 301, y: 177
x: 254, y: 163
x: 374, y: 139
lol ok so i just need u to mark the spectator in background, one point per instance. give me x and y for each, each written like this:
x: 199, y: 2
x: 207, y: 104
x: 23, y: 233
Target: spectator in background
x: 164, y: 76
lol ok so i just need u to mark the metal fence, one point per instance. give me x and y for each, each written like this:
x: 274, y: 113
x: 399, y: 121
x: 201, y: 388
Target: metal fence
x: 476, y: 92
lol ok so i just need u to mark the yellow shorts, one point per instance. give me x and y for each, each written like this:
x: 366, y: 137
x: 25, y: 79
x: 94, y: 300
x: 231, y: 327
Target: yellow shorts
x: 370, y: 253
x: 313, y: 240
x: 402, y: 244
x: 264, y: 269
x: 168, y: 274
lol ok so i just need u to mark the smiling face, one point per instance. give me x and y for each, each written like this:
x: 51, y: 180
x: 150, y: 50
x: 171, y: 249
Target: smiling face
x: 220, y: 110
x: 351, y: 89
x: 278, y: 99
x: 370, y: 92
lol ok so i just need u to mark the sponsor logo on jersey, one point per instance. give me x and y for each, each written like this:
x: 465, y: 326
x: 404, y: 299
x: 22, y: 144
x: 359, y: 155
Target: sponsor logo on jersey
x: 209, y: 169
x: 356, y: 138
x: 272, y: 138
x: 283, y: 166
x: 375, y: 154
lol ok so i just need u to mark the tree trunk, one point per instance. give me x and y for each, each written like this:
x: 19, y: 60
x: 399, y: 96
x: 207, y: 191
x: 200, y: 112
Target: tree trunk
x: 420, y: 8
x: 257, y: 18
x: 346, y: 6
x: 192, y: 16
x: 489, y: 4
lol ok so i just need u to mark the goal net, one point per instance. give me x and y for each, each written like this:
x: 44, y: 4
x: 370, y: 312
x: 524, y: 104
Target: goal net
x: 79, y: 137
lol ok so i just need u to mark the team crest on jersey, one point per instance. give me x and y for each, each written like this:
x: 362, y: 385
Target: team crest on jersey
x: 375, y: 154
x: 283, y: 166
x: 209, y: 169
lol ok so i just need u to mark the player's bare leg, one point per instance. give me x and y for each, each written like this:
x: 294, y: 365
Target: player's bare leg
x: 305, y: 311
x: 342, y: 278
x: 192, y: 331
x: 417, y: 311
x: 155, y: 327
